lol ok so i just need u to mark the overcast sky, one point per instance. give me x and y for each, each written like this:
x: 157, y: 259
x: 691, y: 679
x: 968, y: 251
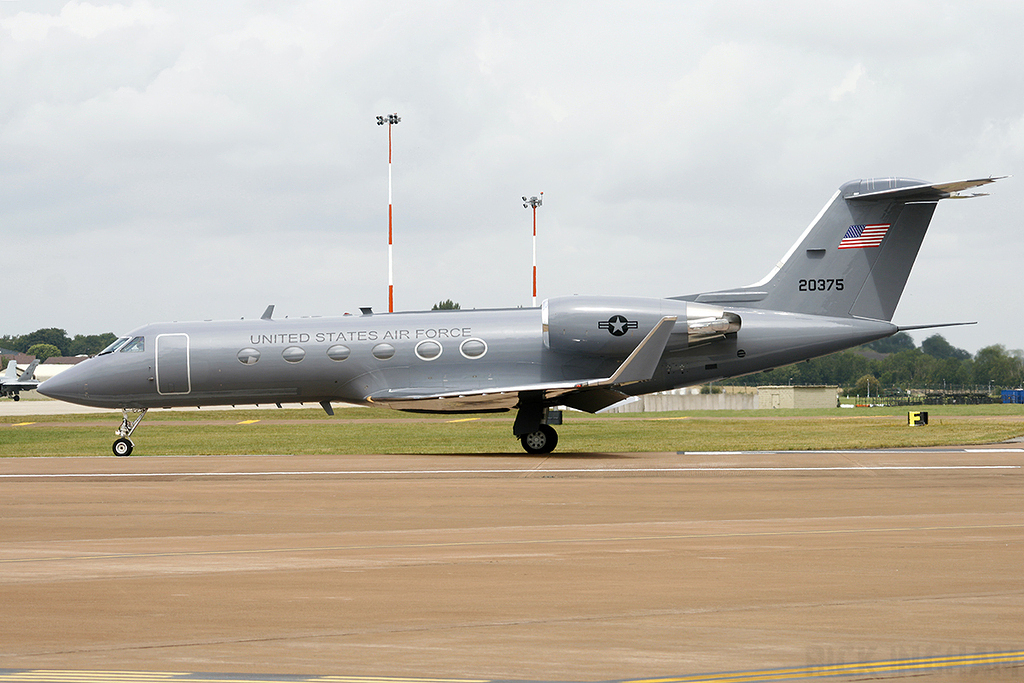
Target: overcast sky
x: 201, y: 160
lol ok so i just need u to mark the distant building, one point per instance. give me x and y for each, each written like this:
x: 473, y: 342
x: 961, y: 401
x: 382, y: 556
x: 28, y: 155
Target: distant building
x: 64, y: 360
x: 689, y: 398
x: 798, y: 397
x: 22, y: 359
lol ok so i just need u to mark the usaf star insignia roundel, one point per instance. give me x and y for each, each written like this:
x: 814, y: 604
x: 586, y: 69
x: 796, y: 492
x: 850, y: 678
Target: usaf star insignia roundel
x: 618, y: 325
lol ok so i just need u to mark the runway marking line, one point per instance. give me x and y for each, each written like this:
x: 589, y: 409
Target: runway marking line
x: 572, y: 470
x: 69, y: 676
x: 916, y: 665
x: 919, y: 665
x: 247, y: 422
x: 854, y: 452
x: 465, y: 419
x: 23, y: 424
x: 509, y: 542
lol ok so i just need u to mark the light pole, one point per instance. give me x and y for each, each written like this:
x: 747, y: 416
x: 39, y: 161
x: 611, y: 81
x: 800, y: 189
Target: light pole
x: 534, y: 202
x: 390, y: 119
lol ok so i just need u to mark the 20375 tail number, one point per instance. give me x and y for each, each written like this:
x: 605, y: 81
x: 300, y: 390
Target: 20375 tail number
x: 822, y: 285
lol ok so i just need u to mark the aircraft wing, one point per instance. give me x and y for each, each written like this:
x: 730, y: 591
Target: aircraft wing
x: 589, y: 394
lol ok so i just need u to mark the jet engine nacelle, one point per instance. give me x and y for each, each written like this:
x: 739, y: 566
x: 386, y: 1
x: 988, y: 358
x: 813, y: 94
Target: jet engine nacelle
x: 613, y: 326
x: 602, y: 326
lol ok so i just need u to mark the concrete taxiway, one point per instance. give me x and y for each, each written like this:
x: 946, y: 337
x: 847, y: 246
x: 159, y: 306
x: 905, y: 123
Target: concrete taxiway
x: 568, y: 567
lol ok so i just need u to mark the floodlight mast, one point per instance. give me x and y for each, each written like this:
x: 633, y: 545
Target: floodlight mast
x: 390, y: 119
x: 534, y: 202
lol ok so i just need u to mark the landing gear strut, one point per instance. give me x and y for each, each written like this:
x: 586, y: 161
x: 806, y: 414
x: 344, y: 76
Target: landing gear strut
x: 123, y: 446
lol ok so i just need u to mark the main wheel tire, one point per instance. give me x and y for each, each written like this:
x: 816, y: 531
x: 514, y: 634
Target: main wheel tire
x: 123, y: 447
x: 541, y: 441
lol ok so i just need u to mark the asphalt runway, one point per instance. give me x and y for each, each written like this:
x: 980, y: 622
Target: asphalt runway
x: 593, y: 567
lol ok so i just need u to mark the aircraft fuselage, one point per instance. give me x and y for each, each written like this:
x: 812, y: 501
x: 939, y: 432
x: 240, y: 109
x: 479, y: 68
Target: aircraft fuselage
x: 361, y: 359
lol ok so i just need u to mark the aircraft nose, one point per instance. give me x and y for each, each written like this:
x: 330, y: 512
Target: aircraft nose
x: 66, y: 386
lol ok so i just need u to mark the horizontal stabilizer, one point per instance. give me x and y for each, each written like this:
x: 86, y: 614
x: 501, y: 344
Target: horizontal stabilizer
x: 904, y: 328
x: 923, y: 192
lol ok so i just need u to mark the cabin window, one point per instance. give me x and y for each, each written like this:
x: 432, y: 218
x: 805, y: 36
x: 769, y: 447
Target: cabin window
x: 473, y: 348
x: 428, y: 350
x: 293, y: 354
x: 383, y: 351
x: 136, y: 345
x: 248, y: 356
x: 338, y: 352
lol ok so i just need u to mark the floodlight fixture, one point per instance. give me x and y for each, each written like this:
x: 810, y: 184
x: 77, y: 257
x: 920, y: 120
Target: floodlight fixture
x: 534, y: 202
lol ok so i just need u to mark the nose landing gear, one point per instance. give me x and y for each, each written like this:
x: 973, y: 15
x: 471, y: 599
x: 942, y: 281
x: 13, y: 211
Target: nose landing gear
x: 124, y: 446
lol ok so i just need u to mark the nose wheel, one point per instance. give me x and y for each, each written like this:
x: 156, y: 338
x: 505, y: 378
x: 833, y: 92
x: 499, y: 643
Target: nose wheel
x: 124, y: 446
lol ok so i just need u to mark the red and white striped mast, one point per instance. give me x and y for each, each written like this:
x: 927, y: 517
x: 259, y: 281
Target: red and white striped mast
x: 534, y: 202
x: 390, y: 119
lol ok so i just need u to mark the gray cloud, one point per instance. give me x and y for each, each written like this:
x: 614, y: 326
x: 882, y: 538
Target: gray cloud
x: 196, y: 160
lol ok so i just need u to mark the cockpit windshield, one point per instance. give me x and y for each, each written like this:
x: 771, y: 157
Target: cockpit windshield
x: 136, y: 345
x: 121, y: 341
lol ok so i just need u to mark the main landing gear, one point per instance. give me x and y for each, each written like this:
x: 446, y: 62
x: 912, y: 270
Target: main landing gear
x: 532, y: 429
x: 541, y: 441
x: 123, y: 446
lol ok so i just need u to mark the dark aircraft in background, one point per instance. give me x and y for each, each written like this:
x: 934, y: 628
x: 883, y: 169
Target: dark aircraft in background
x: 836, y: 288
x: 12, y: 384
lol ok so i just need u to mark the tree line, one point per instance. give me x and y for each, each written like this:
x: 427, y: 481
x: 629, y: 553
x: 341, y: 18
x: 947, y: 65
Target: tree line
x: 53, y: 341
x: 895, y: 363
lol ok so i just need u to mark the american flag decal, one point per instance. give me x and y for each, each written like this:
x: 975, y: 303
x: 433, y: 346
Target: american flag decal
x: 863, y: 236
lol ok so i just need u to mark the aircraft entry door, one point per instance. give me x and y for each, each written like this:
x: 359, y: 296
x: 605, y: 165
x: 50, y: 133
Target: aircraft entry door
x: 173, y: 374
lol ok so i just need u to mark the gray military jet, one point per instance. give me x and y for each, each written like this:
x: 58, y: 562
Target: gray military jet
x: 836, y: 288
x: 12, y: 384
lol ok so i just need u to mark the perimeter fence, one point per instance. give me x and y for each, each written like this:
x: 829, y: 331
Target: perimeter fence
x: 968, y: 398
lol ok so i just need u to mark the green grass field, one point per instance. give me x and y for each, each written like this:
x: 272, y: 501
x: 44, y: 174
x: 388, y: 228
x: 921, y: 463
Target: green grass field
x: 361, y: 430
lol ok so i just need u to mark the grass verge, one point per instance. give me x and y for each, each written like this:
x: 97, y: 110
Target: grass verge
x: 358, y: 430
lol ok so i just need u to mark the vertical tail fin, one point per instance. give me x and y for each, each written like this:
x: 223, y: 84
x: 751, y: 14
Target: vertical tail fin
x: 854, y: 259
x: 30, y: 371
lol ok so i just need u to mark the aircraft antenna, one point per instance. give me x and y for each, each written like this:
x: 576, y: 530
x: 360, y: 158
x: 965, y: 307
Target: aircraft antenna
x: 534, y: 202
x: 390, y: 119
